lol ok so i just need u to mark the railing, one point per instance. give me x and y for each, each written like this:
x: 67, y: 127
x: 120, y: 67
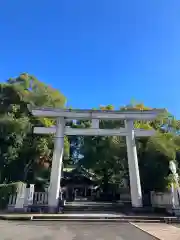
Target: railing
x: 40, y: 198
x: 158, y: 199
x: 12, y: 200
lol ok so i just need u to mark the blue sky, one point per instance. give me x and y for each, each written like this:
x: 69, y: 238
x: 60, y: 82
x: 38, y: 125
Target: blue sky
x: 96, y: 52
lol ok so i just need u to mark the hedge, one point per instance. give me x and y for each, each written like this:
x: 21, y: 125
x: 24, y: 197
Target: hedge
x: 6, y: 190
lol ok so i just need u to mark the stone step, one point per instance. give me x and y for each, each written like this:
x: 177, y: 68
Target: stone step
x: 100, y: 220
x: 92, y: 209
x: 95, y: 207
x: 88, y: 216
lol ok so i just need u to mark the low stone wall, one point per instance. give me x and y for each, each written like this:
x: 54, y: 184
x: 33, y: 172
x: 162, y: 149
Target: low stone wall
x: 161, y: 199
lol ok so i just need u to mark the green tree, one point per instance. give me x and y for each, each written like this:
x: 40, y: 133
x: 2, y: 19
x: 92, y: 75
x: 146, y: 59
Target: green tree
x: 107, y: 156
x: 23, y: 154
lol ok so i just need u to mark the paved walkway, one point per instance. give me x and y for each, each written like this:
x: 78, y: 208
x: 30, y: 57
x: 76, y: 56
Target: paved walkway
x: 161, y: 231
x: 70, y: 231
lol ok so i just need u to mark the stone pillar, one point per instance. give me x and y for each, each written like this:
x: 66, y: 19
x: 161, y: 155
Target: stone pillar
x: 29, y: 197
x: 56, y: 170
x: 30, y: 194
x: 21, y: 197
x: 135, y: 184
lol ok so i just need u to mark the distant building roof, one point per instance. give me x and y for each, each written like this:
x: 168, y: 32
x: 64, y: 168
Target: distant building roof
x: 77, y: 175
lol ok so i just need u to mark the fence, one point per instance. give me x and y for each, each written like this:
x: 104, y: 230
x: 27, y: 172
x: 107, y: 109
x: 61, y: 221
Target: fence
x: 12, y: 202
x: 39, y: 198
x: 158, y: 199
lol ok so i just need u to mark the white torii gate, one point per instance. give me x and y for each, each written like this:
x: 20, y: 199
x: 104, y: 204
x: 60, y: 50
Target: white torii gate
x: 60, y: 130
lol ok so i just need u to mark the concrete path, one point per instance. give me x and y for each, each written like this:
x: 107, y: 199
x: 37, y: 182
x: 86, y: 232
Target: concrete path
x: 161, y: 231
x: 70, y: 231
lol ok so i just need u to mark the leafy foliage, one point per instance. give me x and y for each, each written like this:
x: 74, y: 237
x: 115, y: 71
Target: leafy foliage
x: 23, y: 154
x: 107, y: 156
x: 26, y: 157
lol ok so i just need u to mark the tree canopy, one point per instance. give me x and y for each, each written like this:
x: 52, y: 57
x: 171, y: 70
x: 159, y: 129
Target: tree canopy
x: 23, y: 154
x: 107, y: 156
x: 27, y: 157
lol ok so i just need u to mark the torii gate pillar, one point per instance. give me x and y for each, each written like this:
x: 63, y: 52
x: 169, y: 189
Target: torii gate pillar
x: 135, y: 184
x: 56, y: 169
